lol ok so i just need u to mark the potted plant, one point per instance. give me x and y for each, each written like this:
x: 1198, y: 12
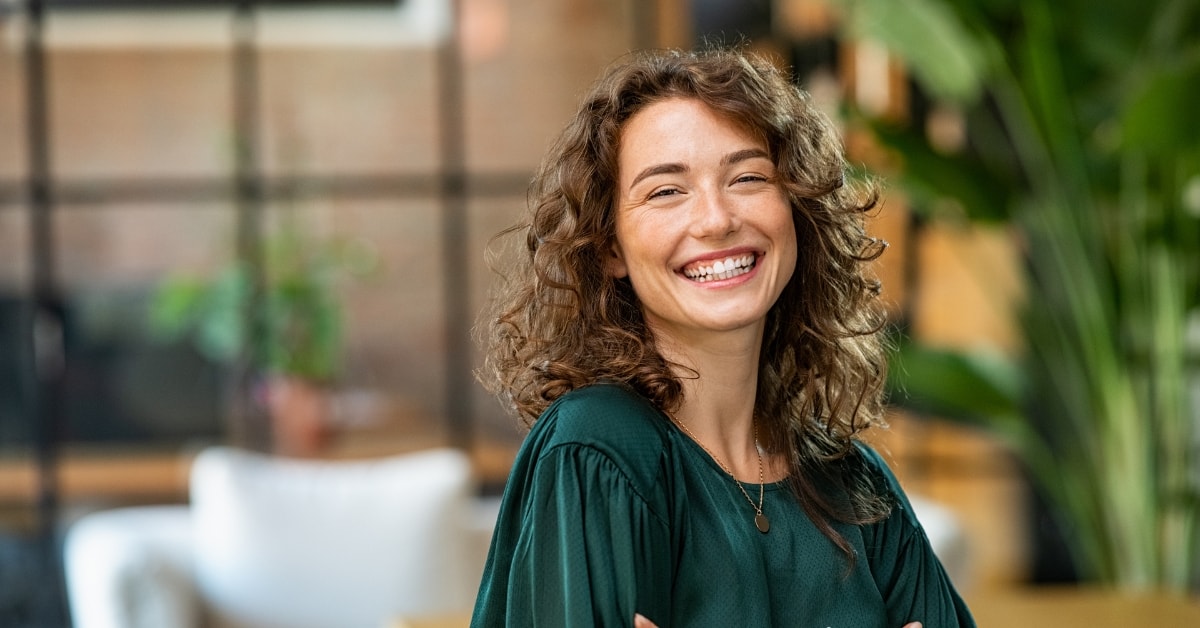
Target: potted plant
x: 289, y: 334
x: 1082, y: 139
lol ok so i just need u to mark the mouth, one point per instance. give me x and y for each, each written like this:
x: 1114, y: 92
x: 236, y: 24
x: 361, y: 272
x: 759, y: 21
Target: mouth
x: 716, y: 270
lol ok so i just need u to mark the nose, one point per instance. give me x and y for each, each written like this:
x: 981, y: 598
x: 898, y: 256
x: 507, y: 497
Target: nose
x: 713, y: 216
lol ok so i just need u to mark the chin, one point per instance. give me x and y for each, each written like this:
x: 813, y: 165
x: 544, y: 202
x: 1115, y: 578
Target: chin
x: 731, y: 324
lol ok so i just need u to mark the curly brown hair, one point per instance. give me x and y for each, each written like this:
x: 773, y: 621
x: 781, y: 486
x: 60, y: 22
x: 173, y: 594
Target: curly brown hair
x: 561, y: 321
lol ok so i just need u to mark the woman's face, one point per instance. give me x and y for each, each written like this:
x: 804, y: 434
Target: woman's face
x: 703, y: 229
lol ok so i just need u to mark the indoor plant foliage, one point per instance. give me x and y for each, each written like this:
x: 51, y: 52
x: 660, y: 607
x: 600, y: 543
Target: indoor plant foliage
x: 1082, y: 136
x: 289, y: 333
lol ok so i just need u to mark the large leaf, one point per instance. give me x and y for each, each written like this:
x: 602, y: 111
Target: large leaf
x: 928, y: 38
x: 977, y: 387
x: 931, y: 175
x: 1162, y: 119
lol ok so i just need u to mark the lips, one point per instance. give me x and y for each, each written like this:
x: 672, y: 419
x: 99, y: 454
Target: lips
x: 724, y: 268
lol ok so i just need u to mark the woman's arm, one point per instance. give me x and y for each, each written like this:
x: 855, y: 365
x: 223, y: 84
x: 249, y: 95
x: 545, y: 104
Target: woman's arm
x: 909, y: 575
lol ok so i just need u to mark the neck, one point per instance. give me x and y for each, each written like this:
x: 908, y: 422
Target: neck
x: 718, y: 398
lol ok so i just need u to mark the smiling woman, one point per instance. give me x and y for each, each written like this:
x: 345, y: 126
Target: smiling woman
x: 695, y: 341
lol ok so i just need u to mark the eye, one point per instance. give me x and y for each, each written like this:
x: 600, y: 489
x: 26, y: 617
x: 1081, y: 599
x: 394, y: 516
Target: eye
x: 663, y: 192
x: 750, y: 178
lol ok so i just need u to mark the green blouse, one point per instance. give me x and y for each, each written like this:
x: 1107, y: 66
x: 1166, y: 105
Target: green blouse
x: 611, y: 510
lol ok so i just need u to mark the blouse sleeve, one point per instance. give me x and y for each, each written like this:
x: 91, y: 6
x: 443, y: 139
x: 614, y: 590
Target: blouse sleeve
x: 912, y: 580
x: 586, y: 548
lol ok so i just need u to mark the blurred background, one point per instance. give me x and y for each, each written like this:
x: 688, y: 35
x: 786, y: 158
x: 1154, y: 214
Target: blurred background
x: 264, y: 224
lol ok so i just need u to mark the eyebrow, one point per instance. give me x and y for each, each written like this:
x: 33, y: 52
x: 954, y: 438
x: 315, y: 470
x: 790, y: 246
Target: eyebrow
x: 743, y: 155
x: 676, y: 168
x: 657, y: 169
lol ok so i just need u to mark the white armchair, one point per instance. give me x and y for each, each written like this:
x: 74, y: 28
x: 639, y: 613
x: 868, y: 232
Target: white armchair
x: 272, y: 542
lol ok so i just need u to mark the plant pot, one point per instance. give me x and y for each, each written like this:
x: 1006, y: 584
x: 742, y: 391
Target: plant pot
x: 300, y: 416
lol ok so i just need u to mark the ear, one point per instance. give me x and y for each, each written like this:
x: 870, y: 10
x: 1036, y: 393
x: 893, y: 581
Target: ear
x: 614, y: 262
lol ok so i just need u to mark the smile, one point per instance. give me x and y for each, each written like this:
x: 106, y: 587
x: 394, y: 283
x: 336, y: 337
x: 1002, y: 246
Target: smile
x: 720, y: 269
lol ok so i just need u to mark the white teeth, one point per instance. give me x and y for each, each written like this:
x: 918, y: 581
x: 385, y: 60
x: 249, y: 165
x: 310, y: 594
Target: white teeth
x: 721, y: 269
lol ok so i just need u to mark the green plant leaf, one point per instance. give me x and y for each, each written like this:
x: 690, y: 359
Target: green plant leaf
x: 932, y: 176
x: 1161, y: 119
x: 173, y: 308
x: 221, y: 328
x: 929, y: 38
x: 976, y: 387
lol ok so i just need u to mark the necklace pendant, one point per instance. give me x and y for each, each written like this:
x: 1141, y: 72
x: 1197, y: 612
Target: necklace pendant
x: 762, y: 523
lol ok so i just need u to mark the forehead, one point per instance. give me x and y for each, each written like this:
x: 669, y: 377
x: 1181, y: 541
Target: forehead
x: 682, y: 125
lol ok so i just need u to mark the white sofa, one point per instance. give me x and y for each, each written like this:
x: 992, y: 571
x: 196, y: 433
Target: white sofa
x: 269, y: 542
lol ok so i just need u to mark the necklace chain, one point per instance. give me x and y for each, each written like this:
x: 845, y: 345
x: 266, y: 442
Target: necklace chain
x: 760, y: 520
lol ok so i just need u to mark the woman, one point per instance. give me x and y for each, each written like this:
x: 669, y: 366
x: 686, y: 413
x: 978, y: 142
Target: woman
x: 696, y: 344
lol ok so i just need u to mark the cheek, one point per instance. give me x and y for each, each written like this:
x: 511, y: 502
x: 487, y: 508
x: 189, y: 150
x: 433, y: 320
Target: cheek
x: 637, y: 241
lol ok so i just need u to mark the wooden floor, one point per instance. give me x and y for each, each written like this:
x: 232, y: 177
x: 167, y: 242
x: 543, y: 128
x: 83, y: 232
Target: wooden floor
x: 1069, y: 607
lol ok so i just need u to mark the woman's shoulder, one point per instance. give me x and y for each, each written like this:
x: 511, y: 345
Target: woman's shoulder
x: 874, y: 461
x: 610, y: 419
x: 603, y: 412
x: 886, y: 482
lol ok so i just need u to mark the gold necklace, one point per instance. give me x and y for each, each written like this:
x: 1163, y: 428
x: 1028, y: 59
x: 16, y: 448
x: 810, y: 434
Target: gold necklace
x: 760, y: 520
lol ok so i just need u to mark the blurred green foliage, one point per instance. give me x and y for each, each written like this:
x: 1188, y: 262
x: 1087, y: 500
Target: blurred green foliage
x: 292, y: 327
x: 1083, y: 136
